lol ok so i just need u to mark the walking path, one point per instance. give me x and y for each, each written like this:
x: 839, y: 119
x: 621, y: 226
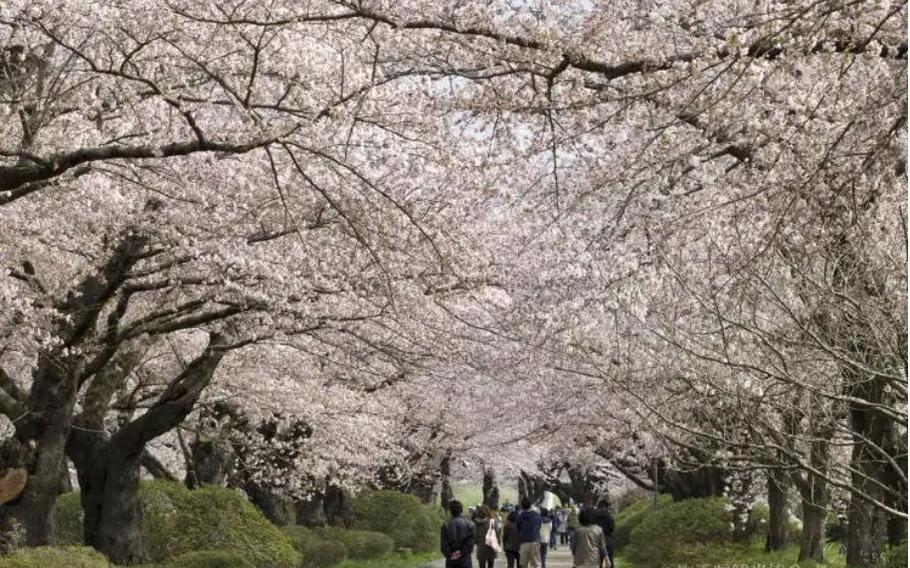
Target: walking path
x: 560, y: 558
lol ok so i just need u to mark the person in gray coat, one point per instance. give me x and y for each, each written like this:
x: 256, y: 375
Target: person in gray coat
x: 589, y: 548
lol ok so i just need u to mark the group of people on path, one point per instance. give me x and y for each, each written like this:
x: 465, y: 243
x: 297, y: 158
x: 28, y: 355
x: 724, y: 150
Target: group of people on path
x: 527, y: 535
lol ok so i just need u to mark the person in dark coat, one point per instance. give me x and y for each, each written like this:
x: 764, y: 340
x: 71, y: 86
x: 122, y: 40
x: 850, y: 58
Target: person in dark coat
x: 485, y: 519
x: 510, y: 543
x: 604, y: 520
x: 456, y: 538
x: 528, y: 525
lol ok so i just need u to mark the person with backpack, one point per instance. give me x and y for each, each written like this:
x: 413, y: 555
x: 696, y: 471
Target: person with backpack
x: 510, y: 543
x: 456, y: 539
x: 528, y: 525
x: 589, y: 548
x: 604, y: 519
x: 485, y: 520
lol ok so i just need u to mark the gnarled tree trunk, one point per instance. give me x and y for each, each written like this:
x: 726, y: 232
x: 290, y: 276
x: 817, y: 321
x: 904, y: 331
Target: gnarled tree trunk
x: 446, y: 494
x: 490, y: 489
x: 109, y: 468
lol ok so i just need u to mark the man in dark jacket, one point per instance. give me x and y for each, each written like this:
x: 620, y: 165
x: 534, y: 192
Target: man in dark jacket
x: 528, y: 525
x: 510, y: 543
x: 456, y: 539
x: 604, y: 520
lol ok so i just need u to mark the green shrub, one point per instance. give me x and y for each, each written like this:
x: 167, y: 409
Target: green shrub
x: 54, y: 557
x: 893, y: 557
x: 678, y: 533
x: 315, y: 551
x: 68, y: 520
x: 632, y: 515
x: 223, y: 519
x: 359, y: 544
x: 757, y: 522
x: 210, y: 559
x: 160, y: 502
x: 177, y: 521
x: 409, y: 523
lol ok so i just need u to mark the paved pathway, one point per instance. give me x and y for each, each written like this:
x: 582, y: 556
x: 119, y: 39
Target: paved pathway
x: 560, y: 558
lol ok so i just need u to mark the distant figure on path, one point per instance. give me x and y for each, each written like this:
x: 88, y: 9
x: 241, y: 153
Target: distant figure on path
x: 528, y: 525
x: 572, y: 522
x: 546, y: 529
x: 554, y: 522
x: 562, y: 526
x: 456, y: 539
x: 604, y: 519
x: 510, y: 542
x: 484, y: 520
x: 589, y: 547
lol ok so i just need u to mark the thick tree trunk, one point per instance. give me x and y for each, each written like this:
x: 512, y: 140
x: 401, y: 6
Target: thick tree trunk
x: 56, y: 381
x: 35, y: 509
x: 446, y: 494
x: 490, y: 489
x: 110, y: 503
x: 337, y: 507
x: 705, y: 481
x: 875, y: 443
x: 109, y: 468
x: 531, y: 487
x: 778, y: 513
x: 867, y: 528
x: 276, y: 508
x: 212, y: 463
x: 812, y: 541
x: 53, y: 399
x: 311, y: 511
x: 867, y: 525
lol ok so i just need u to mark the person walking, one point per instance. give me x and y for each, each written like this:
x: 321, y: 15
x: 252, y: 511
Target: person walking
x: 604, y: 519
x: 528, y: 525
x: 484, y: 521
x: 553, y: 523
x: 562, y: 529
x: 572, y: 522
x: 510, y: 543
x: 589, y: 548
x: 456, y: 539
x: 546, y: 529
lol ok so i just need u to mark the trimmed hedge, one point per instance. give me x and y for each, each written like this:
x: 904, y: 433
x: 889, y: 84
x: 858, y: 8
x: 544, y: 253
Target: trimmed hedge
x: 55, y: 557
x: 315, y: 551
x: 178, y: 521
x: 409, y: 523
x: 632, y: 515
x: 210, y: 559
x: 678, y: 533
x: 361, y: 545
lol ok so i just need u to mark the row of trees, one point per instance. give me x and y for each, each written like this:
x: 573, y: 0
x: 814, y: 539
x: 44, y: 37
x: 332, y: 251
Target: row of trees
x: 369, y: 243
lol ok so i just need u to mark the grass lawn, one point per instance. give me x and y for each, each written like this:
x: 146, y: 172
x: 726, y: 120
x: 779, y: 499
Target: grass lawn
x: 394, y: 560
x: 470, y: 494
